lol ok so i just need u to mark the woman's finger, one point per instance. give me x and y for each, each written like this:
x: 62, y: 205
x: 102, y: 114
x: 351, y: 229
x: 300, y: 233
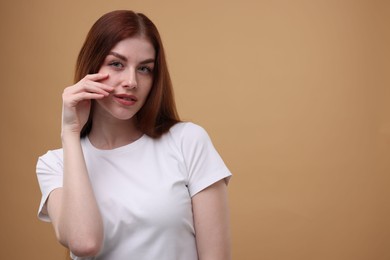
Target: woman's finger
x: 95, y: 87
x: 96, y: 76
x: 89, y: 86
x: 100, y: 85
x: 77, y: 98
x: 85, y: 95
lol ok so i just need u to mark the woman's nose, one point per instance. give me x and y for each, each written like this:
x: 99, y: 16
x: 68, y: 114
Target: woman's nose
x: 130, y: 79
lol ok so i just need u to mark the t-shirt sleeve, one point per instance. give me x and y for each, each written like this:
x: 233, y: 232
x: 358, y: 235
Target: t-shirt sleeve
x: 203, y: 163
x: 49, y: 172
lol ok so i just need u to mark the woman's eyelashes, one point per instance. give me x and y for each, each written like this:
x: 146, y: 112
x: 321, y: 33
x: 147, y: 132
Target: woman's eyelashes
x: 145, y: 69
x: 116, y: 64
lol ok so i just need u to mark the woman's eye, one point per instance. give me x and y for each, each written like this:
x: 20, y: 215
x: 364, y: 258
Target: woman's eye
x: 116, y: 64
x: 145, y: 69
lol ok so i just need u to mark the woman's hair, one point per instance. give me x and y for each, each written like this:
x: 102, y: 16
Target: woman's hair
x: 158, y: 113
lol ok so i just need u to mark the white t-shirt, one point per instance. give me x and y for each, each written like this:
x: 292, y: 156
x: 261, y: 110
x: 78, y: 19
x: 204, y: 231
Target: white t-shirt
x: 144, y: 191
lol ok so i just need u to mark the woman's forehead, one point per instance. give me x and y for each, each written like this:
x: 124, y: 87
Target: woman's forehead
x: 139, y: 48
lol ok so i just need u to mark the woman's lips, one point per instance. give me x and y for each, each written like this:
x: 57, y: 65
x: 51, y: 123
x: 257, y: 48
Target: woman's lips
x: 125, y: 99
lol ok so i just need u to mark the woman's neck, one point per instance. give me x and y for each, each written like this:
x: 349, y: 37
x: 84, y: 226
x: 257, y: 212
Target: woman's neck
x: 110, y: 133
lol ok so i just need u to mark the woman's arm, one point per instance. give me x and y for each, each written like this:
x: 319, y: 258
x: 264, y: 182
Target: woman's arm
x: 73, y: 209
x: 212, y: 222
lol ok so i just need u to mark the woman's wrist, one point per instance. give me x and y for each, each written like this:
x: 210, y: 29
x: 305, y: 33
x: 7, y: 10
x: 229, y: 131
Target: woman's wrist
x: 70, y: 136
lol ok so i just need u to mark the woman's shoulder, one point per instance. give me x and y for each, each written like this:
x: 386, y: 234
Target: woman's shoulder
x: 188, y: 134
x: 188, y: 130
x: 55, y: 155
x: 50, y: 162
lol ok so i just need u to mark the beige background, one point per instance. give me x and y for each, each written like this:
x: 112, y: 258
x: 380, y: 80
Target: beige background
x: 295, y: 95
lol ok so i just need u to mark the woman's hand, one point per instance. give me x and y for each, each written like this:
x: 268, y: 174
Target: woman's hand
x: 77, y: 101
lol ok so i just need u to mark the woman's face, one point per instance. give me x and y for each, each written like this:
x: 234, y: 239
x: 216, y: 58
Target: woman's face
x: 129, y: 66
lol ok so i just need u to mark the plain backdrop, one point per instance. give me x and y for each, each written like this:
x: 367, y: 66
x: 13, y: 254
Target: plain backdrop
x: 294, y: 94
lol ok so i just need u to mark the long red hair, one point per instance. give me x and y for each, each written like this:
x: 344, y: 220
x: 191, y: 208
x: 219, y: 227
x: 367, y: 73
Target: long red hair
x: 158, y: 113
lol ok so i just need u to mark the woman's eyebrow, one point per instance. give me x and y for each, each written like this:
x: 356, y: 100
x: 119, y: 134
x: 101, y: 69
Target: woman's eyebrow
x: 147, y: 61
x: 120, y: 56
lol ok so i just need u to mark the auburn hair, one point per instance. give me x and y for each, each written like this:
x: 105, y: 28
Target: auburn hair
x: 159, y: 112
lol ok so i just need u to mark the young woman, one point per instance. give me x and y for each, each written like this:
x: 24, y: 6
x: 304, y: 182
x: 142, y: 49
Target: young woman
x: 131, y: 181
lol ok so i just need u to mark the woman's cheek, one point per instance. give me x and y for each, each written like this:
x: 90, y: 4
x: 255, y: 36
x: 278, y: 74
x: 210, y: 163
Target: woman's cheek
x: 108, y: 80
x: 104, y: 69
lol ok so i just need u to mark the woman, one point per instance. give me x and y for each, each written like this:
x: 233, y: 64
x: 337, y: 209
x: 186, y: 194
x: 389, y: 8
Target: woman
x: 131, y: 181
